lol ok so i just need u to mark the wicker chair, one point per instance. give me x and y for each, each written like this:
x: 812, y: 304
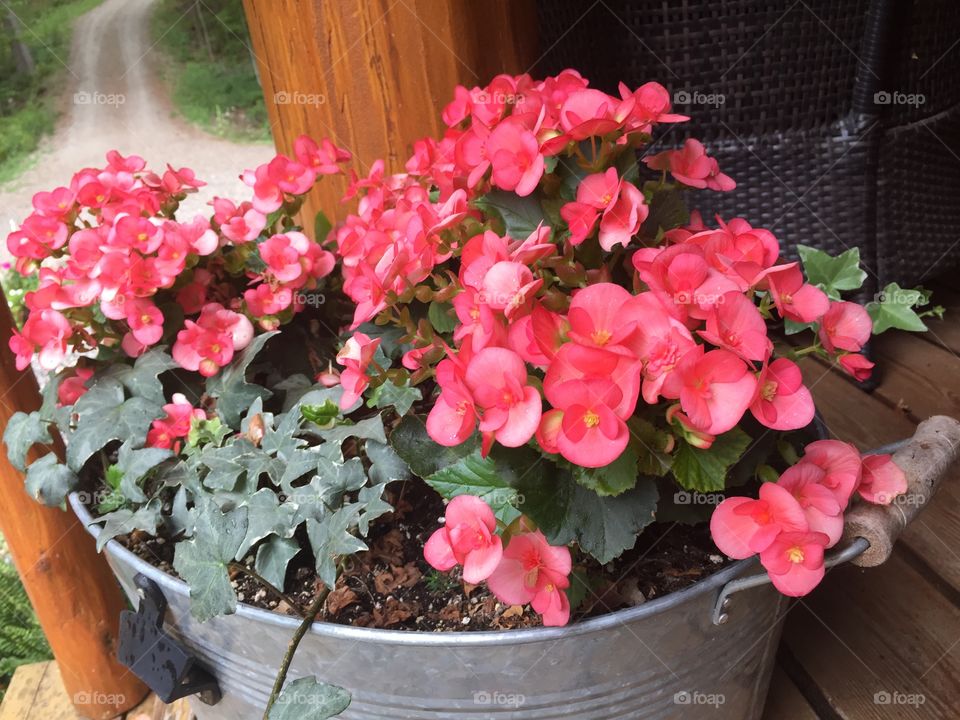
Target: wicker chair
x: 815, y: 122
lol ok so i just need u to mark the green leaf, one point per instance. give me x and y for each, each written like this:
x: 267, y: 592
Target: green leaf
x: 142, y: 380
x: 207, y: 432
x: 420, y: 452
x: 832, y: 274
x: 50, y: 482
x: 667, y: 211
x: 475, y: 475
x: 203, y: 560
x: 331, y: 538
x: 706, y: 470
x: 895, y: 309
x: 321, y: 227
x: 124, y: 521
x: 323, y: 415
x: 134, y: 465
x: 22, y: 433
x: 613, y: 479
x: 368, y: 429
x: 374, y: 506
x: 307, y: 699
x: 401, y: 397
x: 386, y: 466
x: 234, y: 394
x: 441, y: 317
x: 520, y: 215
x: 104, y: 416
x: 266, y: 516
x: 273, y: 557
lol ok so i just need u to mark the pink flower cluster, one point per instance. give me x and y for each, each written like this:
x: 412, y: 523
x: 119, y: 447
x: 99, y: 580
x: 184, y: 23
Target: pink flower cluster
x: 795, y: 519
x: 167, y: 432
x: 528, y: 571
x: 111, y: 258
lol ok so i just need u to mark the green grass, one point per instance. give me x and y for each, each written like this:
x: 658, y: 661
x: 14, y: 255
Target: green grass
x: 21, y: 638
x: 209, y: 67
x: 29, y: 102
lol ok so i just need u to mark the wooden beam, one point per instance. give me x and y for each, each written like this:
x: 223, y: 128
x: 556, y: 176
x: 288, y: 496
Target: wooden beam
x: 71, y: 587
x: 374, y: 76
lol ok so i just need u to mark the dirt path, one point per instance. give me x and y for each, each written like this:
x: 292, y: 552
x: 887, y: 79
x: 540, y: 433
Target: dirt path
x: 114, y: 100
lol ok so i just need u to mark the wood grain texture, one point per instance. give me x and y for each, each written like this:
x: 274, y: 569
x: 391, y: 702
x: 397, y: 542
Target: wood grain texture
x: 784, y: 701
x: 71, y: 587
x: 374, y: 76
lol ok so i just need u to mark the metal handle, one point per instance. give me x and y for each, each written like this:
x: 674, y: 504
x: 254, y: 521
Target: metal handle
x: 163, y: 663
x: 870, y: 530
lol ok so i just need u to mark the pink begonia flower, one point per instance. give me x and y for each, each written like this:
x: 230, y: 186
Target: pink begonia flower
x: 736, y: 324
x: 533, y: 571
x: 355, y: 356
x: 588, y: 112
x: 74, y: 387
x: 782, y: 401
x: 47, y: 329
x: 575, y: 362
x: 209, y: 343
x: 548, y: 433
x: 509, y: 287
x: 794, y: 561
x: 743, y: 526
x: 453, y: 417
x: 467, y: 538
x: 618, y: 203
x: 37, y: 237
x: 478, y: 320
x: 238, y: 223
x: 145, y: 320
x: 857, y: 366
x: 740, y: 251
x: 687, y: 430
x: 283, y: 253
x: 659, y: 340
x: 323, y: 159
x: 651, y: 105
x: 166, y: 431
x: 596, y: 318
x: 56, y: 203
x: 266, y: 300
x: 515, y: 157
x: 819, y: 504
x: 795, y: 299
x: 591, y: 434
x: 845, y: 326
x: 882, y: 480
x: 841, y: 465
x: 511, y: 408
x: 715, y: 388
x: 692, y: 166
x: 290, y: 176
x: 682, y: 273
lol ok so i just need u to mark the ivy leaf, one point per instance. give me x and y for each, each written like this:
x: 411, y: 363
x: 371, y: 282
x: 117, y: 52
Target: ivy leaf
x: 368, y: 429
x: 520, y: 215
x: 307, y: 699
x: 613, y: 479
x: 420, y: 452
x: 401, y: 397
x: 440, y: 316
x: 50, y: 482
x: 374, y: 506
x: 133, y: 465
x: 266, y: 516
x: 225, y: 465
x: 180, y: 521
x: 234, y: 394
x: 832, y: 274
x: 331, y: 537
x: 895, y: 309
x: 203, y: 560
x: 273, y: 557
x: 327, y: 489
x: 143, y: 379
x: 476, y: 475
x: 706, y: 470
x: 22, y: 433
x: 386, y: 466
x: 104, y: 416
x: 321, y: 415
x: 125, y: 521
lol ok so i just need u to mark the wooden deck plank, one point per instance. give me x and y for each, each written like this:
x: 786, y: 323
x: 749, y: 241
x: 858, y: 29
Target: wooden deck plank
x: 946, y: 332
x: 918, y: 376
x: 879, y: 643
x: 785, y: 702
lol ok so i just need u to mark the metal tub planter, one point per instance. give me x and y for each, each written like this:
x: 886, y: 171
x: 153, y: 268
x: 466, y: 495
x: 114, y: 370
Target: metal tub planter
x: 704, y: 652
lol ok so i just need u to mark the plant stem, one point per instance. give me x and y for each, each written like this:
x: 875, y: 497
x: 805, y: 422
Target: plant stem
x: 240, y: 567
x: 308, y: 619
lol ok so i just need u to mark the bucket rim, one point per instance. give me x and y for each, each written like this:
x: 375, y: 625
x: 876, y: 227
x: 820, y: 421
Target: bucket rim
x: 606, y: 622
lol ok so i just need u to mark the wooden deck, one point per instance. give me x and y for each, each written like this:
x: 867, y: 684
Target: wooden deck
x: 868, y: 644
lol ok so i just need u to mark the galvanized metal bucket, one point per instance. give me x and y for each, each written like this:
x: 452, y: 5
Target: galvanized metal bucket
x: 666, y: 658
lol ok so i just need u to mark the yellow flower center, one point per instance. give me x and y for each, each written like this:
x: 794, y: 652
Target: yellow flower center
x: 591, y: 419
x: 795, y: 554
x: 601, y: 337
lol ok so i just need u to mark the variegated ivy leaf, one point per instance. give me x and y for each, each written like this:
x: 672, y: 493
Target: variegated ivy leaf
x: 180, y: 521
x: 104, y: 415
x: 50, y: 482
x: 234, y: 394
x: 266, y: 516
x: 326, y: 490
x: 386, y: 466
x: 367, y: 429
x: 273, y: 556
x: 308, y: 699
x: 330, y: 538
x: 374, y: 506
x: 22, y: 433
x: 124, y: 521
x: 134, y: 465
x: 400, y: 397
x: 143, y: 379
x: 203, y: 560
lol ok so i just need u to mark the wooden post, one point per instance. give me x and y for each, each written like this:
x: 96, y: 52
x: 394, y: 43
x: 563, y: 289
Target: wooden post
x: 75, y: 595
x: 374, y: 76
